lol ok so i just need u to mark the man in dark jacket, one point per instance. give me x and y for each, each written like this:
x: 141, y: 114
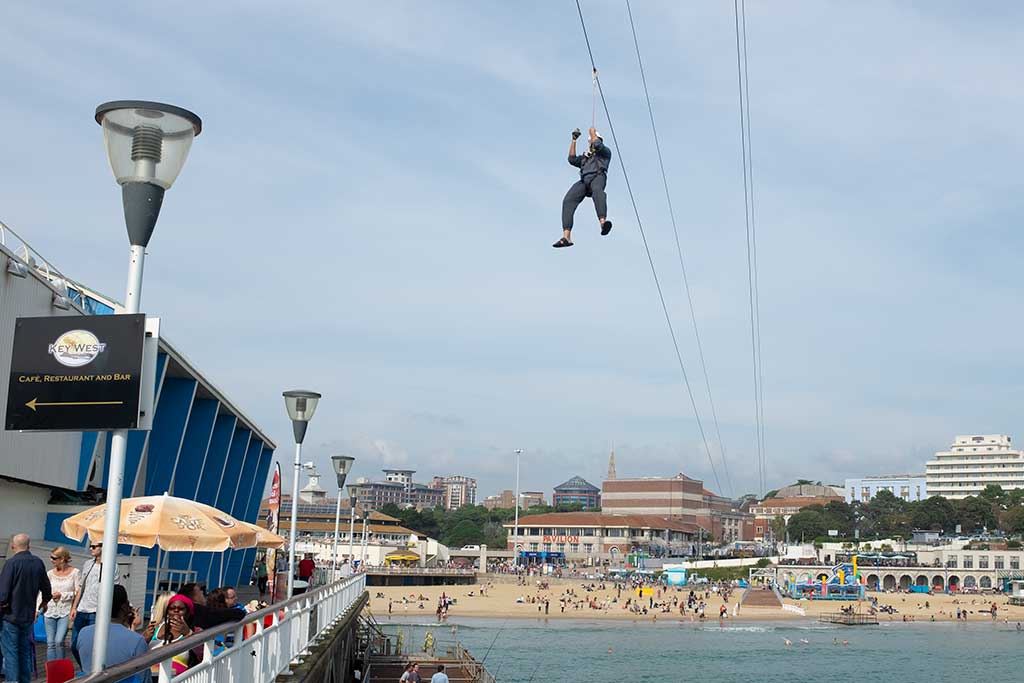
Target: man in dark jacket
x: 593, y: 165
x: 22, y: 581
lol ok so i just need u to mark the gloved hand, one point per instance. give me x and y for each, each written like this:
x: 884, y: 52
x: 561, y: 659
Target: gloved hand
x: 576, y: 134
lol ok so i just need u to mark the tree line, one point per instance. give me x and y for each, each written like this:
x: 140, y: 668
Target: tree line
x: 886, y: 516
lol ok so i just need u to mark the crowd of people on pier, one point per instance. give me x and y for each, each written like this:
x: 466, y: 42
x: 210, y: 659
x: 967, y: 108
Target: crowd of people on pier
x: 68, y: 598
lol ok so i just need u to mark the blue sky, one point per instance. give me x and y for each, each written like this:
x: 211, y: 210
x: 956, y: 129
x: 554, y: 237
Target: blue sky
x: 369, y: 210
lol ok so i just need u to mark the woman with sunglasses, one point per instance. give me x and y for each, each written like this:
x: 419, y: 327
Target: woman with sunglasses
x: 63, y: 581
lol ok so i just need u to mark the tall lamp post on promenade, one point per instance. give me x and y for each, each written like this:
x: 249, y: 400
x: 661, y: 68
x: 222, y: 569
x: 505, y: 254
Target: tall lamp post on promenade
x: 362, y: 556
x: 342, y: 466
x: 300, y: 405
x: 353, y: 490
x: 515, y: 555
x: 147, y: 144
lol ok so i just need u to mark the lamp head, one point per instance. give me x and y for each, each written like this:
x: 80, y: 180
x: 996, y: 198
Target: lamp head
x: 342, y: 466
x: 147, y: 144
x: 300, y: 405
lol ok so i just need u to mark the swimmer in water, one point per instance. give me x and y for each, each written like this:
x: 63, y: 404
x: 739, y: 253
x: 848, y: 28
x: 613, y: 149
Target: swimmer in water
x: 789, y: 642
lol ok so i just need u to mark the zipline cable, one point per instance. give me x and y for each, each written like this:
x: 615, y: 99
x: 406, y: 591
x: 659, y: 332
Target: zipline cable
x: 650, y: 259
x: 755, y: 318
x: 679, y: 251
x: 753, y: 238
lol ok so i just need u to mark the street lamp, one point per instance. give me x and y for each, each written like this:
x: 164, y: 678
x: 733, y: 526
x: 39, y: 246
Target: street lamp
x: 342, y: 466
x: 519, y: 451
x: 353, y: 491
x: 147, y: 144
x: 366, y: 518
x: 300, y: 406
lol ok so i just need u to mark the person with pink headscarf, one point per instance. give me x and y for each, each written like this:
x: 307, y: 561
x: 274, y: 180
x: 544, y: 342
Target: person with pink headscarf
x: 178, y: 624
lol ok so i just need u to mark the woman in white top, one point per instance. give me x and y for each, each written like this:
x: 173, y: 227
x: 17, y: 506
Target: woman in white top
x: 63, y: 579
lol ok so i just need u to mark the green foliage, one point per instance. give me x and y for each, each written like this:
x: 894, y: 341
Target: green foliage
x: 807, y: 524
x: 1013, y: 521
x: 722, y: 573
x: 469, y: 525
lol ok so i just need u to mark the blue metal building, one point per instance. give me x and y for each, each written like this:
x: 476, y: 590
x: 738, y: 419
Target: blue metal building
x: 201, y: 446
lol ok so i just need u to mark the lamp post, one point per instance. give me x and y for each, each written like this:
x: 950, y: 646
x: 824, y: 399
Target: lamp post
x: 519, y: 451
x: 353, y: 490
x: 300, y: 405
x: 342, y: 466
x: 147, y: 144
x: 366, y: 518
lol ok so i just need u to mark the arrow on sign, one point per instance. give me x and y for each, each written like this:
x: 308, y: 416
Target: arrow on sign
x: 36, y: 402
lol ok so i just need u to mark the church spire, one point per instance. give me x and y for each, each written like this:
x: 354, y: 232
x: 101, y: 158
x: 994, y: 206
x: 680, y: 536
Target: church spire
x: 611, y: 465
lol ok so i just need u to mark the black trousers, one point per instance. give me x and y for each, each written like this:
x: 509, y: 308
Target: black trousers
x: 592, y: 186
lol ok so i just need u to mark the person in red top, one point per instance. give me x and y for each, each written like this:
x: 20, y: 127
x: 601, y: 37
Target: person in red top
x: 306, y: 568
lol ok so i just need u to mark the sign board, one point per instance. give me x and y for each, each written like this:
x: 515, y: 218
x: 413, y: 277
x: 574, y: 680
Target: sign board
x: 76, y: 373
x: 833, y: 532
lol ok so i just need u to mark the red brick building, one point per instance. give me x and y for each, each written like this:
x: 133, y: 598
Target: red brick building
x: 679, y: 497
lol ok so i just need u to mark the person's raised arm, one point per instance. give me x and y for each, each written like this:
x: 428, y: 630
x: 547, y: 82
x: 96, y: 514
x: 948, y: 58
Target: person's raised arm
x: 573, y: 157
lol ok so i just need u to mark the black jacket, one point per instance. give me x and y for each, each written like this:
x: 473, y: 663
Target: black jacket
x: 596, y: 160
x: 208, y: 617
x: 21, y: 581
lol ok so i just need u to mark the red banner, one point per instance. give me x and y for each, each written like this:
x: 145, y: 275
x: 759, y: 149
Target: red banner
x: 273, y: 523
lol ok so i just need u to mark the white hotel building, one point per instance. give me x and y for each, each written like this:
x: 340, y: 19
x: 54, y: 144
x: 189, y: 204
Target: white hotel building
x: 972, y: 463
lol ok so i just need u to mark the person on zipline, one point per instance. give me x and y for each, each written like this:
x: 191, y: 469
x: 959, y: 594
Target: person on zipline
x: 593, y: 165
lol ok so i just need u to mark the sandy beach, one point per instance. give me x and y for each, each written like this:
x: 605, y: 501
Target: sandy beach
x: 501, y: 594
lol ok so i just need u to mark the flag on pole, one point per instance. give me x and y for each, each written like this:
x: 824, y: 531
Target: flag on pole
x: 273, y: 524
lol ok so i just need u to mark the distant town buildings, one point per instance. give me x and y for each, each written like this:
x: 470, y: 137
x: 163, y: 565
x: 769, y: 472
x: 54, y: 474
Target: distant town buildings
x: 399, y: 489
x: 972, y: 463
x: 506, y: 500
x: 458, y: 490
x: 578, y: 491
x: 596, y: 536
x: 679, y: 497
x: 316, y: 521
x: 905, y: 486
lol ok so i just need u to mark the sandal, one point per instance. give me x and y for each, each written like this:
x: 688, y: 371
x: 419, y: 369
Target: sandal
x: 562, y: 243
x: 606, y: 227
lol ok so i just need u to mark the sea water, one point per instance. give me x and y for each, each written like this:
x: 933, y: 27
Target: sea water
x: 522, y: 651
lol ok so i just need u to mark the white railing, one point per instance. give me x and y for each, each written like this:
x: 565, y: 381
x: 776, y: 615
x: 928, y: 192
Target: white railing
x: 293, y: 627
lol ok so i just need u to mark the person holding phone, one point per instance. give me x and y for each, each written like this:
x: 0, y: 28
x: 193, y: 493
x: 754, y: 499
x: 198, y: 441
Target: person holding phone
x: 123, y: 643
x: 178, y: 624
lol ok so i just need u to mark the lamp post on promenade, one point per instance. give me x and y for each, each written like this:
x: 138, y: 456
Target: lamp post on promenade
x: 366, y: 518
x: 300, y: 405
x: 147, y: 144
x: 519, y: 452
x: 342, y: 466
x: 353, y: 489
